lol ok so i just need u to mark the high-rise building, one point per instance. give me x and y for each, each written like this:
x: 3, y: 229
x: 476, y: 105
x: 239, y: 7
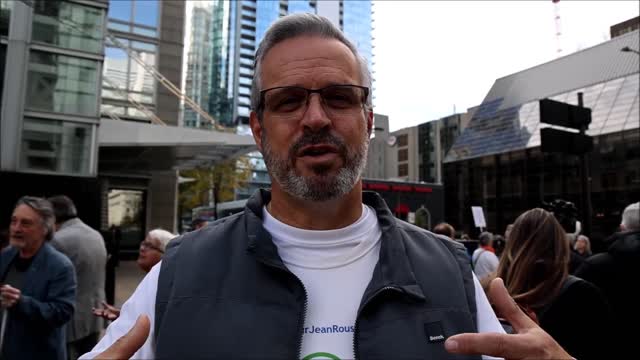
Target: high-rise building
x: 238, y: 28
x: 199, y: 61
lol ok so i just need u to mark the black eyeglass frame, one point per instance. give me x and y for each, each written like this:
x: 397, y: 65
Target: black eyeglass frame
x: 312, y: 91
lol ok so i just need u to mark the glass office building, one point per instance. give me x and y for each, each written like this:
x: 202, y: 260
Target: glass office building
x: 199, y: 60
x: 134, y: 24
x: 238, y: 28
x: 497, y: 162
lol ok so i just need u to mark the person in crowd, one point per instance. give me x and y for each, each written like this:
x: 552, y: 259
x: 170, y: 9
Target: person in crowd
x: 445, y: 229
x: 484, y: 260
x: 85, y: 248
x: 535, y: 271
x: 198, y: 223
x: 37, y: 286
x: 507, y: 232
x: 582, y: 246
x: 151, y: 251
x: 4, y: 238
x: 262, y: 283
x: 567, y: 215
x: 498, y: 245
x: 616, y: 273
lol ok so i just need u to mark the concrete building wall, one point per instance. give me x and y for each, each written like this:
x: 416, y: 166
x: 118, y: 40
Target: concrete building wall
x: 170, y: 50
x: 163, y: 201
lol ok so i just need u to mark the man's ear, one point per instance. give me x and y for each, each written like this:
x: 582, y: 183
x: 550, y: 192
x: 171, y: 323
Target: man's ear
x: 369, y: 115
x: 256, y: 129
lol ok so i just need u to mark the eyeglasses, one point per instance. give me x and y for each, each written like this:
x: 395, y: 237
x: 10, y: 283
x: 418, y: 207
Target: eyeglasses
x: 338, y: 101
x: 146, y: 245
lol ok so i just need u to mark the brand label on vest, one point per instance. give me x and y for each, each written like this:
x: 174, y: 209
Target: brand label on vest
x: 434, y: 332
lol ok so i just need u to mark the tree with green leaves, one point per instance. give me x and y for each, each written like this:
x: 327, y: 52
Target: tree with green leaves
x: 211, y: 185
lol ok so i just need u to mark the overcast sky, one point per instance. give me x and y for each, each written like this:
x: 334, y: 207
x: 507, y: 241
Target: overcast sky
x: 431, y: 56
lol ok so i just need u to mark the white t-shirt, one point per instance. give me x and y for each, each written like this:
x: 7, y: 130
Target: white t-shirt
x: 330, y: 319
x: 484, y: 262
x: 335, y: 267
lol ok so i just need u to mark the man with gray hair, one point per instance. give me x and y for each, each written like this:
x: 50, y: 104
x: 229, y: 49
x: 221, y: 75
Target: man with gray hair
x: 315, y: 267
x: 38, y: 286
x: 615, y: 272
x: 85, y: 248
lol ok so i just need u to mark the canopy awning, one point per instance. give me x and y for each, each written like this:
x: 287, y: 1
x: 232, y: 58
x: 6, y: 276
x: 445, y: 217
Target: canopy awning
x: 127, y: 146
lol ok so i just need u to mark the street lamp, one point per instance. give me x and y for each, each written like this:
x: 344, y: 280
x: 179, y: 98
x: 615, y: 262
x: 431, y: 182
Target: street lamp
x: 628, y: 49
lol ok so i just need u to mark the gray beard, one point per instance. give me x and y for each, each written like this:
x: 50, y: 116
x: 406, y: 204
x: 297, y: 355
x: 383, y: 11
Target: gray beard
x: 322, y: 186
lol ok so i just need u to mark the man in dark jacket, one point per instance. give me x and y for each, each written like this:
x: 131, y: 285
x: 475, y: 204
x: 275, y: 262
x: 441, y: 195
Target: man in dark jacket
x: 616, y: 273
x: 314, y: 268
x: 85, y: 248
x: 38, y: 286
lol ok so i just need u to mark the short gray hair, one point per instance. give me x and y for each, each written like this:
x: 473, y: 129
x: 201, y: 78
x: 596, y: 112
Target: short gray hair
x: 44, y: 209
x: 296, y: 25
x: 163, y: 237
x: 631, y: 217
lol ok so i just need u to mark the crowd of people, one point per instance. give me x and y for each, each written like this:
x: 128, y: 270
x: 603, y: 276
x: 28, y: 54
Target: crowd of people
x: 52, y: 276
x: 548, y: 268
x: 315, y: 267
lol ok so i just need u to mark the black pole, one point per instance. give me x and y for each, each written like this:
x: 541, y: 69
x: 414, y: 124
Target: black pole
x: 586, y: 183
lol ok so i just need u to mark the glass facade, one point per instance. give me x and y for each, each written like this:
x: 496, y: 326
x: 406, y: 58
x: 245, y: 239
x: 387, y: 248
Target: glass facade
x: 68, y: 25
x: 614, y: 106
x: 5, y: 16
x: 139, y: 17
x: 63, y: 84
x: 266, y: 13
x: 123, y: 78
x: 199, y: 61
x: 356, y: 24
x: 56, y: 146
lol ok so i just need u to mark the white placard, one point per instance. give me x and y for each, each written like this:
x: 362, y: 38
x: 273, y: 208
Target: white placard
x: 478, y: 216
x: 411, y: 218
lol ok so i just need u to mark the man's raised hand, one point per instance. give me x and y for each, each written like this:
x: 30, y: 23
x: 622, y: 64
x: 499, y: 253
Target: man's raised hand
x: 529, y: 342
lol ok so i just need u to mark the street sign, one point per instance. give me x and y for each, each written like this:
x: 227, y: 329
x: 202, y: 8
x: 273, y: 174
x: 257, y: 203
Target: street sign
x: 553, y: 140
x: 562, y: 114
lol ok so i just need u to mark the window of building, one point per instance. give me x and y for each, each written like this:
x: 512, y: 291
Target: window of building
x: 57, y: 146
x: 136, y: 16
x: 403, y: 154
x: 5, y: 16
x: 68, y: 25
x: 403, y: 140
x: 403, y: 170
x: 63, y: 84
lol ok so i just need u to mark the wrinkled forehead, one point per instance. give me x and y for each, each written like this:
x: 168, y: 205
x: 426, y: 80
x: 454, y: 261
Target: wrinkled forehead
x: 25, y: 212
x: 304, y: 59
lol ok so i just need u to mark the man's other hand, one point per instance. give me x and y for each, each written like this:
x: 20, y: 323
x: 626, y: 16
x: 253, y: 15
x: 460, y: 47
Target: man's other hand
x: 107, y: 312
x: 529, y: 342
x: 9, y: 295
x: 127, y: 345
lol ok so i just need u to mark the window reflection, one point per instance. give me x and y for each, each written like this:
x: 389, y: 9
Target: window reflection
x: 59, y: 146
x: 5, y: 16
x: 62, y: 84
x: 146, y: 12
x: 135, y: 16
x: 68, y: 25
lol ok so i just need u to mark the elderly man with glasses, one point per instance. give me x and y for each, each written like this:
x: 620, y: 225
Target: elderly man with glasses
x: 37, y: 286
x: 314, y: 268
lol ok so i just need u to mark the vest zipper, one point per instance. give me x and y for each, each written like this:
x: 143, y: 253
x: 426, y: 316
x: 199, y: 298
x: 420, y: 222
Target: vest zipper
x: 304, y: 316
x: 367, y: 301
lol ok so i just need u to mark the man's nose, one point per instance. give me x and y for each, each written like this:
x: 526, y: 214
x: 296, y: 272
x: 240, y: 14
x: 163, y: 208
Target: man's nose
x: 315, y: 118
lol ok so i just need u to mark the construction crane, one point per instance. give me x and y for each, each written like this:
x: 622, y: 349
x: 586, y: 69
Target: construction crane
x: 556, y: 19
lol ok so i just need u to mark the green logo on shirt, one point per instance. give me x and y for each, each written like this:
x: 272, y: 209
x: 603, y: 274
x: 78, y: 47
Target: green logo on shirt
x: 321, y: 355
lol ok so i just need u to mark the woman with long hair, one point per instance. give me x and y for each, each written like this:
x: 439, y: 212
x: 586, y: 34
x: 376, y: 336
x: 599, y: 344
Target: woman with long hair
x: 535, y: 270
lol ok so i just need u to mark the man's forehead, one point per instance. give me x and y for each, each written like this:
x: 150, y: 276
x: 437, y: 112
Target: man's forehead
x: 25, y: 212
x: 308, y: 51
